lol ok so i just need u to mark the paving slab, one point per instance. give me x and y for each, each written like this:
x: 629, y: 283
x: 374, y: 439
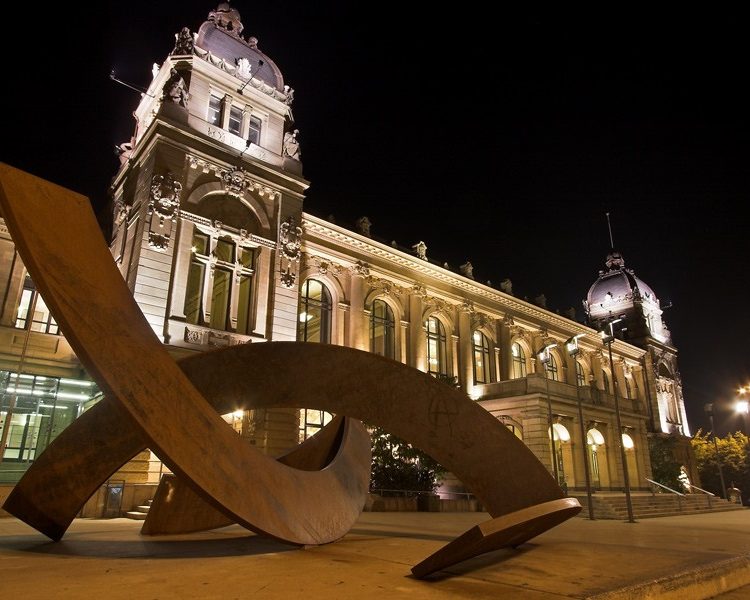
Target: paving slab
x: 654, y: 558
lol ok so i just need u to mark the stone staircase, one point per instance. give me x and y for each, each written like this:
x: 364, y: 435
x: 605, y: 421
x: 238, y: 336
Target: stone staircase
x: 610, y: 505
x: 140, y: 512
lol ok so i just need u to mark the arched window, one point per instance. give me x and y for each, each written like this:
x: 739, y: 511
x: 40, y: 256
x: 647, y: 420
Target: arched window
x: 382, y: 330
x: 437, y: 361
x: 519, y: 361
x: 605, y: 381
x: 628, y: 388
x: 481, y: 357
x: 580, y: 377
x: 552, y: 372
x: 314, y: 313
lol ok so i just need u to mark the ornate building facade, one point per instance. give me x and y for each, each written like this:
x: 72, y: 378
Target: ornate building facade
x: 210, y: 234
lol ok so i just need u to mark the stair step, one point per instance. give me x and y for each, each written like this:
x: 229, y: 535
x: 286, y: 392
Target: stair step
x: 137, y: 515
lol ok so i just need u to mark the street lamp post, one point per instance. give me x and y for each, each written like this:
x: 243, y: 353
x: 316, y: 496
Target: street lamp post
x: 543, y: 357
x: 742, y: 407
x: 572, y: 346
x: 709, y: 408
x: 608, y: 337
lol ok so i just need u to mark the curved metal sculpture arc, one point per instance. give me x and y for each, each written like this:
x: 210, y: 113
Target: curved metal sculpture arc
x: 176, y: 508
x: 60, y: 243
x: 440, y: 420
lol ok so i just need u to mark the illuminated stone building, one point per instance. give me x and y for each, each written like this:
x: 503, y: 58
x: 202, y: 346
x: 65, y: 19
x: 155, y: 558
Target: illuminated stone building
x: 210, y: 234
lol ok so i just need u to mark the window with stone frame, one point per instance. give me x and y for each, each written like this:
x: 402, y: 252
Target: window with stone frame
x: 220, y: 278
x: 437, y: 355
x: 553, y: 372
x: 254, y: 130
x: 314, y: 313
x: 518, y: 361
x: 481, y: 347
x: 33, y: 312
x: 234, y: 125
x: 382, y: 330
x: 214, y: 110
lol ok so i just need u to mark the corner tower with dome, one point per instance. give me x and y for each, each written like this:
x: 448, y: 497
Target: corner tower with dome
x: 208, y: 201
x: 619, y: 294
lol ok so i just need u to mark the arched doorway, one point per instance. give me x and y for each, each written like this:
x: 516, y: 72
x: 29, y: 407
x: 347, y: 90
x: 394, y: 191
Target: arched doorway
x: 597, y: 457
x: 563, y: 451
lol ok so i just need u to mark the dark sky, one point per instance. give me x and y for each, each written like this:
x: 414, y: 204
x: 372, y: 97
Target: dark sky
x: 499, y: 139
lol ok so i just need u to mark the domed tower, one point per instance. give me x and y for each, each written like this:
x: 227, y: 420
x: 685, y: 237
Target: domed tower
x: 208, y: 201
x: 619, y: 294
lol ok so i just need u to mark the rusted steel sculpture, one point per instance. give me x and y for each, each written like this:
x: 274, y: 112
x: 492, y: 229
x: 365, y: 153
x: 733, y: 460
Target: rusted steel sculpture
x: 300, y: 501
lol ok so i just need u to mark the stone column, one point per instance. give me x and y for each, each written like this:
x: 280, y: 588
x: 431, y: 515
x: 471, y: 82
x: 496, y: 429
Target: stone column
x: 357, y: 323
x: 465, y: 370
x: 504, y: 338
x: 418, y: 354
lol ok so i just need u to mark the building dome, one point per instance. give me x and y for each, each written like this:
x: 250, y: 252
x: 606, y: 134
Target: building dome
x: 221, y: 35
x: 617, y: 286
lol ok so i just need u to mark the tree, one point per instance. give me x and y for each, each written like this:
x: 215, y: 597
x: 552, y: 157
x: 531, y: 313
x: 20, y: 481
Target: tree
x: 734, y: 455
x: 399, y: 466
x: 664, y: 467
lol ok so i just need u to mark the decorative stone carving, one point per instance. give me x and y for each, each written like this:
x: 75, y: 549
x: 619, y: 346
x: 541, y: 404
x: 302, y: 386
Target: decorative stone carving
x: 508, y: 320
x: 163, y: 210
x: 480, y: 320
x: 175, y: 90
x: 290, y: 241
x: 325, y: 265
x: 244, y: 68
x: 506, y: 285
x: 289, y: 93
x: 227, y: 18
x: 419, y: 290
x: 122, y: 212
x: 288, y: 278
x: 363, y: 226
x: 184, y: 42
x: 291, y: 145
x: 467, y: 306
x: 421, y: 249
x: 361, y: 268
x: 194, y: 336
x: 388, y: 287
x: 233, y: 180
x: 467, y: 270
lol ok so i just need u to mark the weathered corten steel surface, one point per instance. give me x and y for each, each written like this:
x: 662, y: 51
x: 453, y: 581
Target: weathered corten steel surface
x: 59, y: 241
x: 76, y: 276
x: 176, y: 508
x: 509, y: 530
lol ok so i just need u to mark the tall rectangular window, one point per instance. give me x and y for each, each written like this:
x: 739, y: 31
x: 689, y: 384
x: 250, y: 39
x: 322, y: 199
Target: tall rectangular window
x: 253, y: 132
x: 220, y: 275
x: 235, y: 120
x: 214, y: 110
x: 244, y: 300
x: 196, y: 278
x: 41, y: 320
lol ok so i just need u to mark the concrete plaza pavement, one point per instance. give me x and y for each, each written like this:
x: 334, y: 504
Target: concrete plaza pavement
x: 686, y: 557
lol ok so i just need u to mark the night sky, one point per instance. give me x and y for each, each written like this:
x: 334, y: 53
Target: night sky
x: 501, y: 140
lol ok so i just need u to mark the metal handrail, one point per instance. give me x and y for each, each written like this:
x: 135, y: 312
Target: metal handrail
x: 664, y: 486
x: 695, y: 487
x: 708, y: 494
x: 675, y: 492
